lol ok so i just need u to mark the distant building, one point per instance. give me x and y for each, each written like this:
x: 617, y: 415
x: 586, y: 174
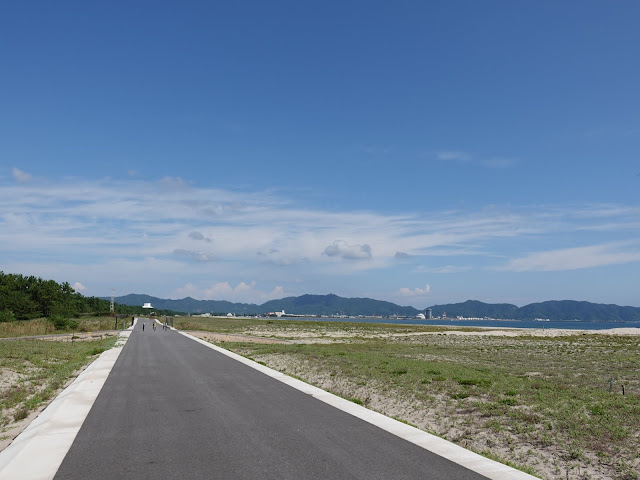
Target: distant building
x: 428, y: 314
x: 147, y: 305
x: 421, y: 316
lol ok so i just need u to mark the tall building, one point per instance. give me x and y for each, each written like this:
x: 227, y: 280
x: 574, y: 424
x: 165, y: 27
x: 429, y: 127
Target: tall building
x: 428, y: 314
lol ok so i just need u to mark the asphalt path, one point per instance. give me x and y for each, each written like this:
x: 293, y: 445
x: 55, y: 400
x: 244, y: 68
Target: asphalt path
x: 173, y: 408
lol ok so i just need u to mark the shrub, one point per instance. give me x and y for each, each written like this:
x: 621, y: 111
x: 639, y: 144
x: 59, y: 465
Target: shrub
x: 59, y: 321
x: 7, y: 316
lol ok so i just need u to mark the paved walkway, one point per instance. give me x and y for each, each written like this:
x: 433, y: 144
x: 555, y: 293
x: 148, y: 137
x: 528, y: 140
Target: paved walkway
x: 176, y: 407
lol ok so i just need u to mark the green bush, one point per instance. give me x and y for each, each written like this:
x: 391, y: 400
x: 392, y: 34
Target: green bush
x: 7, y: 316
x: 62, y: 322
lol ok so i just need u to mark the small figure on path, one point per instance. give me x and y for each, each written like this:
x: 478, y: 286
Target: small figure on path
x: 143, y: 326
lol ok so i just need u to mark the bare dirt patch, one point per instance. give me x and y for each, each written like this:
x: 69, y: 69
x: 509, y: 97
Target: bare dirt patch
x: 224, y: 337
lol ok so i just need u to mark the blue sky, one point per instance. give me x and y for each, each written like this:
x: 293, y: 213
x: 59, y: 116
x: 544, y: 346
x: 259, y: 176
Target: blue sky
x: 416, y: 152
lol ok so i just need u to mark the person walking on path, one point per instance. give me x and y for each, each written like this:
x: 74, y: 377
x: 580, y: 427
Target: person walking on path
x: 143, y: 326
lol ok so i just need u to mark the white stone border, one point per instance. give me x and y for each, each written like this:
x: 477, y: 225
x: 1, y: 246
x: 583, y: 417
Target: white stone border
x: 466, y: 458
x: 38, y: 452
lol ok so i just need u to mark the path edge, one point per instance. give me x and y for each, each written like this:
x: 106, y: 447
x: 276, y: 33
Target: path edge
x: 38, y: 451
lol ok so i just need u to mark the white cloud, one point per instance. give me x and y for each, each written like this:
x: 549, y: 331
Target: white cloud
x: 78, y: 287
x: 242, y: 292
x: 575, y: 258
x: 130, y: 233
x: 20, y: 176
x: 342, y: 249
x: 188, y: 290
x: 415, y: 292
x: 275, y: 257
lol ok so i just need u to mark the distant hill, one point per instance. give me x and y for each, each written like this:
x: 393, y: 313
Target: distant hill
x: 571, y: 309
x: 302, y: 305
x: 474, y: 308
x: 190, y: 305
x: 333, y: 304
x: 553, y: 310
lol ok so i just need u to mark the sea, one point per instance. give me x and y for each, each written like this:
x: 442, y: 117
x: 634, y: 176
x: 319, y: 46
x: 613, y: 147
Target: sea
x: 493, y: 323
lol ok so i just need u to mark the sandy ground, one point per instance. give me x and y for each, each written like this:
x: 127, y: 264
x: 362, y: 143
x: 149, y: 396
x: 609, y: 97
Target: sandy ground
x: 464, y: 428
x: 337, y: 335
x: 432, y: 418
x: 9, y: 378
x: 14, y: 428
x: 224, y: 337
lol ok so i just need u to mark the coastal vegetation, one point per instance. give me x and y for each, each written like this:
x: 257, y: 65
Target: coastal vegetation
x: 549, y: 402
x: 28, y: 297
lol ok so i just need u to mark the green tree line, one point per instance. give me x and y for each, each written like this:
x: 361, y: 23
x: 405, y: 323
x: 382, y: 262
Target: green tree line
x: 25, y: 297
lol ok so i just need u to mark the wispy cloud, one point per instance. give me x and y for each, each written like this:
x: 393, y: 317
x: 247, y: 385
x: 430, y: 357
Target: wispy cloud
x: 107, y: 230
x: 20, y: 176
x: 576, y: 258
x: 454, y: 155
x: 195, y: 255
x: 462, y: 157
x: 445, y: 269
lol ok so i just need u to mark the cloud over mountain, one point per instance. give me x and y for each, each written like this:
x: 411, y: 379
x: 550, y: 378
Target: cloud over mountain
x: 415, y: 292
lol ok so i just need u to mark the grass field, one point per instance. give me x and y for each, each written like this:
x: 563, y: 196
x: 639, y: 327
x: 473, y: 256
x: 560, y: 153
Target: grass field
x: 33, y: 371
x: 42, y: 326
x: 539, y: 402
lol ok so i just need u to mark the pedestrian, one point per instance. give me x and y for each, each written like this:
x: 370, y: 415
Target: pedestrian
x: 143, y: 326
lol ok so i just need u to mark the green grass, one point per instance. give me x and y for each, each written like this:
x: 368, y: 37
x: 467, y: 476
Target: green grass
x: 547, y: 391
x: 43, y: 368
x: 267, y: 327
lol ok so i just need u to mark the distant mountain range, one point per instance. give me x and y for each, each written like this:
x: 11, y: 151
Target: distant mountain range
x: 552, y: 310
x: 333, y: 304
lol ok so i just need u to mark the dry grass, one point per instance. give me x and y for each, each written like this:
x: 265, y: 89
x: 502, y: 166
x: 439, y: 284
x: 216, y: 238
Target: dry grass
x: 43, y: 326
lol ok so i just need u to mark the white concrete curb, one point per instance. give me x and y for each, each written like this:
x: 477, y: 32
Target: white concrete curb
x: 38, y: 452
x: 466, y: 458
